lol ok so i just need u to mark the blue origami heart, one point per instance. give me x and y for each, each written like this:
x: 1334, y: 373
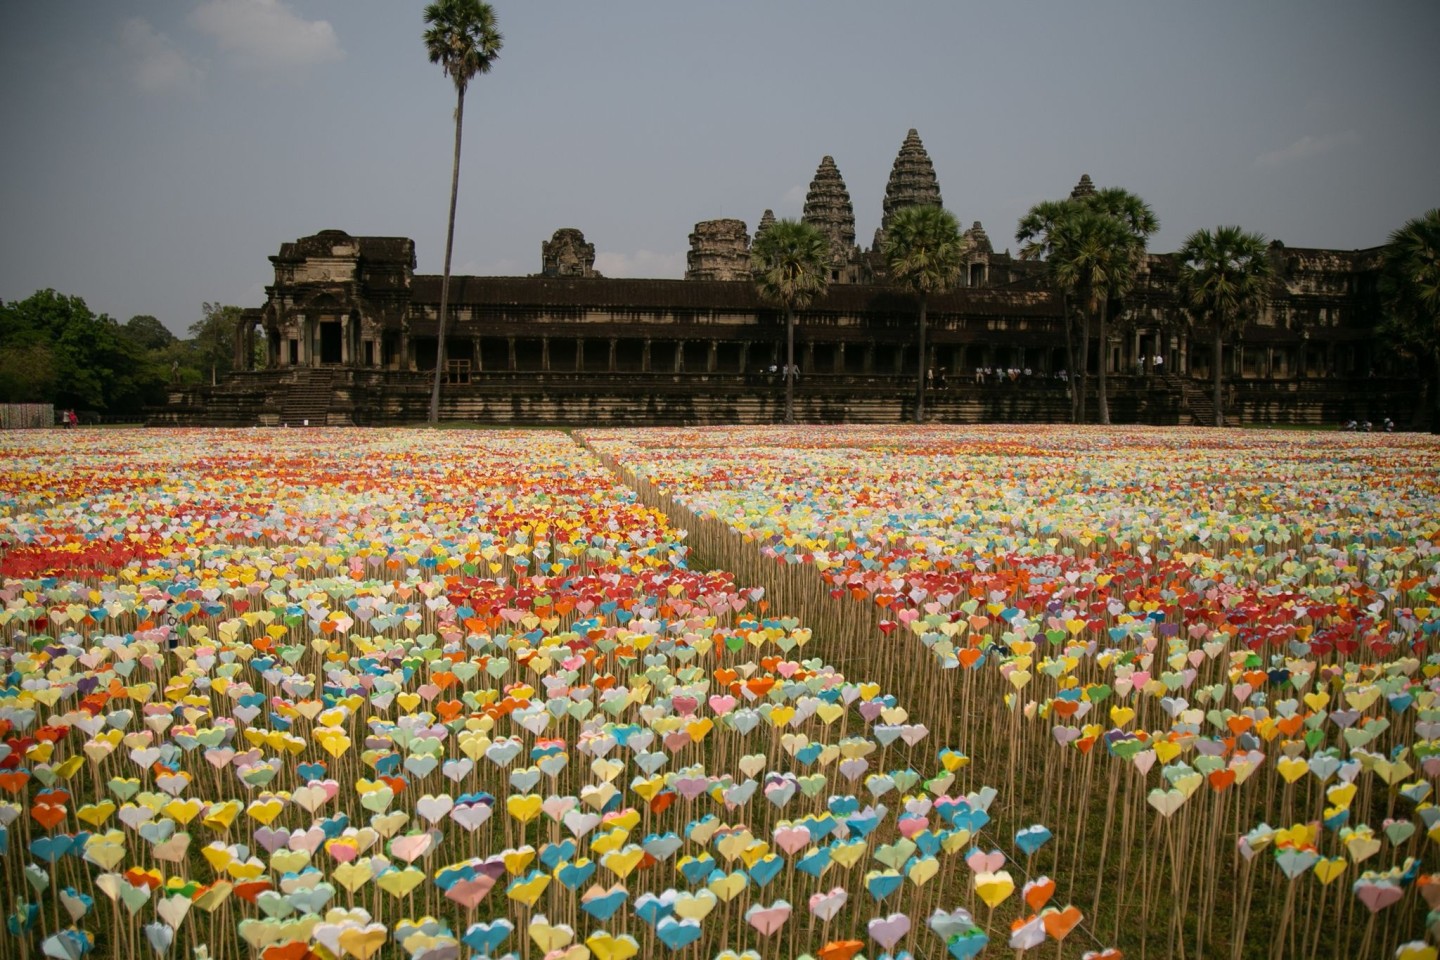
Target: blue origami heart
x: 1033, y: 838
x: 677, y: 934
x: 575, y: 875
x: 766, y: 869
x: 604, y: 907
x: 698, y: 869
x: 814, y: 862
x: 883, y: 883
x: 967, y: 945
x: 487, y: 937
x: 554, y: 854
x: 652, y: 909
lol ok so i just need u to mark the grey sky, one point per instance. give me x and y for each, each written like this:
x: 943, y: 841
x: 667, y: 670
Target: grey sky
x: 157, y: 151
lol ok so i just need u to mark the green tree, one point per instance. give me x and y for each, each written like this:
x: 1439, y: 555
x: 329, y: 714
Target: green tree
x: 1137, y: 221
x: 148, y: 333
x: 462, y: 37
x: 1036, y: 236
x: 1410, y: 292
x: 1093, y: 245
x: 1223, y: 277
x: 212, y: 339
x: 924, y: 250
x: 790, y: 263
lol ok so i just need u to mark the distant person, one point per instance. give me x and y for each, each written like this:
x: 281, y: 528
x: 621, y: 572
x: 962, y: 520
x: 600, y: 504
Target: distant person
x: 1389, y: 425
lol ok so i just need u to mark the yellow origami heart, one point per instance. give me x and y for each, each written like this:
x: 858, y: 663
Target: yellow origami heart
x: 399, y: 883
x: 993, y: 888
x: 607, y: 946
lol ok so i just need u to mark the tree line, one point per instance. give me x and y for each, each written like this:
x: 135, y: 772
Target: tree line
x: 55, y: 349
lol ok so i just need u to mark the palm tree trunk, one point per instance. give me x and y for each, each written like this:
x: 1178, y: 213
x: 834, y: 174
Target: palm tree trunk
x: 1434, y: 391
x: 1084, y: 361
x: 1103, y: 401
x: 920, y: 368
x: 1216, y: 363
x: 449, y: 246
x: 1070, y: 371
x: 789, y: 364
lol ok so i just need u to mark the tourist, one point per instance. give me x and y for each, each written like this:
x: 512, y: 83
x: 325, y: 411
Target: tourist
x: 1389, y: 425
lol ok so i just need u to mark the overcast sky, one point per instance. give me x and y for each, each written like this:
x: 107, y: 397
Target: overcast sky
x: 155, y: 152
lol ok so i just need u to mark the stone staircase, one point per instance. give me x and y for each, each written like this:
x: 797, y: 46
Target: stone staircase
x: 1196, y: 400
x: 308, y: 402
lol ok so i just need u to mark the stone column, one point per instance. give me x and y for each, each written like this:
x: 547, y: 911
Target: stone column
x: 579, y: 353
x: 545, y: 354
x: 510, y: 347
x: 614, y: 346
x: 839, y: 358
x: 645, y: 356
x: 807, y: 365
x: 745, y: 357
x: 345, y: 353
x: 476, y: 354
x: 712, y: 357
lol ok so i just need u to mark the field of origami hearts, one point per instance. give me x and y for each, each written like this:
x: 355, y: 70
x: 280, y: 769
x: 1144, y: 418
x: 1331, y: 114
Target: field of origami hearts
x: 1206, y: 660
x: 416, y: 694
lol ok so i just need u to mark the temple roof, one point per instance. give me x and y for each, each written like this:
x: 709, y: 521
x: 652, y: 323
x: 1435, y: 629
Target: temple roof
x: 338, y: 243
x: 705, y: 295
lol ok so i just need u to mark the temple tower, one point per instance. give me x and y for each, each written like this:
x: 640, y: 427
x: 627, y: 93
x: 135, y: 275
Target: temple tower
x: 828, y: 209
x: 912, y: 180
x: 566, y: 254
x: 767, y: 220
x: 1085, y: 188
x: 719, y: 250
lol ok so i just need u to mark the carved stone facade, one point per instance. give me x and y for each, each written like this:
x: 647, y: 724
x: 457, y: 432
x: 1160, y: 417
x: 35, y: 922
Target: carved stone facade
x: 547, y: 348
x: 719, y: 250
x: 339, y: 300
x: 566, y: 254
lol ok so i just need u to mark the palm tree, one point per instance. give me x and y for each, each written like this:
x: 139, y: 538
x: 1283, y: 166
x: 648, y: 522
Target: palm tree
x: 923, y: 250
x: 1410, y: 289
x: 1138, y: 222
x: 790, y: 263
x: 1092, y: 257
x: 1223, y: 276
x: 462, y: 37
x: 1093, y: 245
x: 1036, y: 236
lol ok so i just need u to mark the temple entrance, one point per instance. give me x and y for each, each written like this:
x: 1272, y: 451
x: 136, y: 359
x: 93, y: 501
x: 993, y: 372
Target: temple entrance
x: 330, y: 339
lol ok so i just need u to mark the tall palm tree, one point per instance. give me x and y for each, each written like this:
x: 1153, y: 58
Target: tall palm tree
x: 462, y: 37
x: 923, y: 250
x: 790, y: 263
x: 1410, y: 289
x: 1092, y: 256
x: 1138, y: 221
x: 1223, y: 276
x: 1093, y: 245
x: 1036, y: 236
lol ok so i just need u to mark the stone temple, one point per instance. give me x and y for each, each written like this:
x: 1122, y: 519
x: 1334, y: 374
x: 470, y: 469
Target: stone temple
x: 348, y: 335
